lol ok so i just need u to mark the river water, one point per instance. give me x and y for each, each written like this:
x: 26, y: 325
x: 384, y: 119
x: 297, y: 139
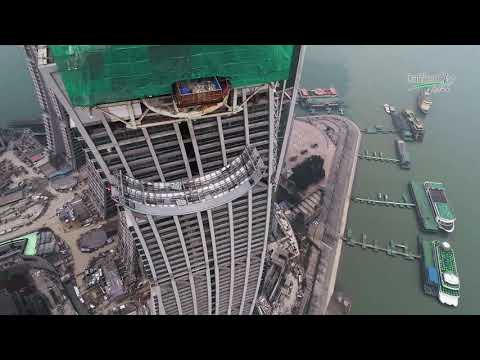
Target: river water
x: 18, y: 106
x: 368, y: 77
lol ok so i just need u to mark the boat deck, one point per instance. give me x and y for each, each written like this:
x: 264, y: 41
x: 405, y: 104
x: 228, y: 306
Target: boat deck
x: 429, y: 273
x: 424, y: 210
x: 437, y: 193
x: 447, y: 263
x: 427, y: 252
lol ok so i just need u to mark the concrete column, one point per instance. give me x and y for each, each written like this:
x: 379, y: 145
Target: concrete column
x: 230, y: 217
x: 245, y: 117
x: 187, y: 261
x: 288, y: 128
x: 222, y: 140
x: 232, y: 257
x: 215, y: 262
x: 269, y: 193
x: 249, y: 251
x: 207, y: 265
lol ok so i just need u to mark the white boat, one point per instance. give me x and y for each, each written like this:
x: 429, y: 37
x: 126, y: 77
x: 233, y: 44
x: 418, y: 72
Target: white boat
x: 444, y: 215
x: 387, y: 108
x: 425, y: 100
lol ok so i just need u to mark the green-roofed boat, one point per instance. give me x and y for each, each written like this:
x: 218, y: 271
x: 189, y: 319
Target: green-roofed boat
x: 444, y: 258
x: 444, y: 215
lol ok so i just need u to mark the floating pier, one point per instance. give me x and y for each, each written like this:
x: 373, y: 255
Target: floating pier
x: 378, y: 130
x: 405, y: 205
x: 378, y: 157
x: 424, y: 210
x: 390, y: 250
x: 419, y: 201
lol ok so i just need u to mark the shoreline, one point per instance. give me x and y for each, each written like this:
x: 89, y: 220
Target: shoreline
x: 326, y: 246
x: 343, y: 225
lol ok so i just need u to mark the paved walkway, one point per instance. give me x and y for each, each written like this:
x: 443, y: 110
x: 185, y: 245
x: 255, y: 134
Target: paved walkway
x: 331, y: 221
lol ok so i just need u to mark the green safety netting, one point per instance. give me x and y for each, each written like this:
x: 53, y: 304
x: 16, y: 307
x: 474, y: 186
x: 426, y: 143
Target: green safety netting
x: 97, y: 74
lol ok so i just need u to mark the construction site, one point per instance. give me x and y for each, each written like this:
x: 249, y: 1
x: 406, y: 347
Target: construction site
x: 282, y: 286
x: 141, y: 227
x: 24, y: 196
x: 35, y: 271
x: 108, y: 289
x: 208, y: 199
x: 305, y: 283
x: 47, y: 221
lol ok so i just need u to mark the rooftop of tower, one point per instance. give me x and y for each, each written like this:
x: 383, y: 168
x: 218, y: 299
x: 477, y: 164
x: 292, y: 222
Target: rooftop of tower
x: 100, y: 74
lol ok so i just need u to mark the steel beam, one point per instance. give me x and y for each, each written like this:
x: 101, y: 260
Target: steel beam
x: 153, y: 154
x: 117, y: 147
x: 195, y: 147
x: 167, y: 263
x: 133, y: 221
x: 182, y: 149
x: 187, y: 261
x: 47, y: 72
x: 249, y: 252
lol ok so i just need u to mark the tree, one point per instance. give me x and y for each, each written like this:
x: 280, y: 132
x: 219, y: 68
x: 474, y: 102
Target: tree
x: 299, y: 223
x: 308, y: 172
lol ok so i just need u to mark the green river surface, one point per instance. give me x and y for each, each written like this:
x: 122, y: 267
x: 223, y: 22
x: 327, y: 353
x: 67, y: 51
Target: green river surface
x: 368, y: 77
x: 18, y: 106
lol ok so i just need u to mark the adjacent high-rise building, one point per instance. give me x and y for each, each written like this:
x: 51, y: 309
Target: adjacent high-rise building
x: 60, y: 138
x: 187, y: 143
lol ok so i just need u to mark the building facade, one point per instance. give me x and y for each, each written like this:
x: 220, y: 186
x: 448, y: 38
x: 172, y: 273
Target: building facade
x: 193, y: 185
x: 61, y: 140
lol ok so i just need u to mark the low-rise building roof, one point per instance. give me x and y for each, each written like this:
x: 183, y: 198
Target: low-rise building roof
x: 93, y: 240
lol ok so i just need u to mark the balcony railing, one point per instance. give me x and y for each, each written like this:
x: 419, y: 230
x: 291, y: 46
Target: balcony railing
x: 189, y: 196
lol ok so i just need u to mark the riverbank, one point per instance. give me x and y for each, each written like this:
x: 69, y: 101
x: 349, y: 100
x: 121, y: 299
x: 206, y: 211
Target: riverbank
x: 326, y: 229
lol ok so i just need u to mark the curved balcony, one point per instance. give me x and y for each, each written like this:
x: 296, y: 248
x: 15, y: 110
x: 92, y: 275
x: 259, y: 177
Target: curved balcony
x: 192, y: 195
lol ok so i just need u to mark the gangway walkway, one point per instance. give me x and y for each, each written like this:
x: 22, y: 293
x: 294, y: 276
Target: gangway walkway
x: 368, y: 201
x: 378, y: 158
x: 390, y: 250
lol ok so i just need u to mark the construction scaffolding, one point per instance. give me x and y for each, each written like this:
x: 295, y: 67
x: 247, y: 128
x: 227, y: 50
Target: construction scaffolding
x: 99, y: 74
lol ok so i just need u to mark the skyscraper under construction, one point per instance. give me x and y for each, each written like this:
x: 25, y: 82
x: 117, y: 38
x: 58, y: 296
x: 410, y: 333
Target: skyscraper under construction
x: 187, y: 142
x: 61, y: 141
